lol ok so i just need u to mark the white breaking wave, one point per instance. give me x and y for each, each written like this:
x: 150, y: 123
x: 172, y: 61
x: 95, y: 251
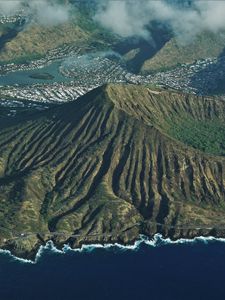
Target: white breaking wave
x: 157, y: 241
x: 15, y: 258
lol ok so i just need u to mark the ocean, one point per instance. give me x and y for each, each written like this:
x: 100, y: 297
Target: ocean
x: 154, y: 270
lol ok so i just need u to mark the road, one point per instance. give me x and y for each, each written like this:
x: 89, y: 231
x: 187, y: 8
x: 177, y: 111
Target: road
x: 26, y: 235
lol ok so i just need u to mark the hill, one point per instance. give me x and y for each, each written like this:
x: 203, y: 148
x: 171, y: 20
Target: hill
x: 106, y: 168
x: 34, y: 40
x: 173, y: 53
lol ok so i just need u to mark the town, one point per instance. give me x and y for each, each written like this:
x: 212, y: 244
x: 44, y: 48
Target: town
x: 45, y: 93
x: 198, y: 78
x: 85, y: 73
x: 18, y: 17
x: 51, y: 56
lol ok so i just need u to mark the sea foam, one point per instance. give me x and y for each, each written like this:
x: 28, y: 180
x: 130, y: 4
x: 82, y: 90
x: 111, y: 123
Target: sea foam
x: 156, y: 241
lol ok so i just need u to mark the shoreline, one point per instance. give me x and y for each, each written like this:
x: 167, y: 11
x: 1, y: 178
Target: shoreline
x: 27, y: 246
x: 156, y: 241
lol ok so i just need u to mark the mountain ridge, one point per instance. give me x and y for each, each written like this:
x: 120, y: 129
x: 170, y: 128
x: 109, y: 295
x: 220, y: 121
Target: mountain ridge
x: 99, y: 166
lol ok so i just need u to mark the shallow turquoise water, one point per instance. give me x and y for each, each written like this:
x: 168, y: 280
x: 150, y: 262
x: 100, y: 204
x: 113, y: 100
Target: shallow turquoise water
x: 22, y: 77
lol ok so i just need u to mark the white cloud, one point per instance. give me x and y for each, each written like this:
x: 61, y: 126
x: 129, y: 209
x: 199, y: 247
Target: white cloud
x: 48, y: 12
x: 45, y: 12
x: 124, y: 19
x: 10, y: 6
x: 131, y: 18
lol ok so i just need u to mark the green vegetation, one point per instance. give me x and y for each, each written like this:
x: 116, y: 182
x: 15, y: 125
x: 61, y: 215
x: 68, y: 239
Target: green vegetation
x: 207, y: 136
x: 174, y: 53
x: 84, y: 19
x: 103, y: 165
x: 35, y: 41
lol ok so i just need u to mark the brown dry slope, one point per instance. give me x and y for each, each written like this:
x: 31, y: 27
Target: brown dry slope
x: 104, y: 168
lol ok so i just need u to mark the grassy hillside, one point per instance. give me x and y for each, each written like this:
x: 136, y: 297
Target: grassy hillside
x: 36, y: 40
x: 106, y: 168
x: 196, y: 121
x: 173, y: 53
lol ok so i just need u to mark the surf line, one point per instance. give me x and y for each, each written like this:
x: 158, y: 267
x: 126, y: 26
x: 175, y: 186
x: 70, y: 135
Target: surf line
x: 156, y: 241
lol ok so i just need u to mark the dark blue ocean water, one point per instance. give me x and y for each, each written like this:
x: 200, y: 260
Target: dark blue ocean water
x: 168, y: 271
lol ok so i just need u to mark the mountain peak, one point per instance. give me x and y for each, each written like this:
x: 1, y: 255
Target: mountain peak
x: 93, y: 166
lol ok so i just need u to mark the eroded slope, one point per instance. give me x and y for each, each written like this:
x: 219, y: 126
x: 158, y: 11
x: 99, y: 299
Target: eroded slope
x: 174, y: 52
x: 104, y: 168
